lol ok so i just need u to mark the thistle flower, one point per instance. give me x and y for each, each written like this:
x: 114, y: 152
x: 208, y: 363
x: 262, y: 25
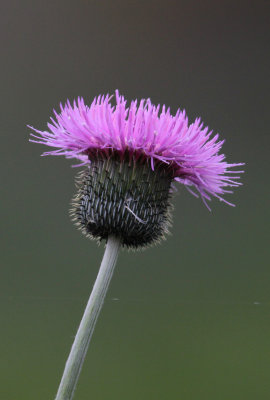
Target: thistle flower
x: 132, y: 155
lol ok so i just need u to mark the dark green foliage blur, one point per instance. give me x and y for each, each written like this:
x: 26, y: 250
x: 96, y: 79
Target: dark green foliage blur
x: 188, y: 319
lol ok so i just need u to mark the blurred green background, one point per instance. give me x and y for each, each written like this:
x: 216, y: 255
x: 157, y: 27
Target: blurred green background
x: 189, y: 319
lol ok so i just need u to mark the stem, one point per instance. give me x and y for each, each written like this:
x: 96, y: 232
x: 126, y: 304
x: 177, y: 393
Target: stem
x: 80, y: 345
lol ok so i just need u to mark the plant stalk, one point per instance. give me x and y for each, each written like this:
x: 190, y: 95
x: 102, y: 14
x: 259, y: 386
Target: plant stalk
x: 85, y: 331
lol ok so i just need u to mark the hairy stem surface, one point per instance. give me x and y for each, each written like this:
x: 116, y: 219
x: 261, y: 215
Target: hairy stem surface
x: 80, y: 345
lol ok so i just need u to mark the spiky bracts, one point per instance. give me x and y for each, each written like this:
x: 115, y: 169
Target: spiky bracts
x: 122, y: 196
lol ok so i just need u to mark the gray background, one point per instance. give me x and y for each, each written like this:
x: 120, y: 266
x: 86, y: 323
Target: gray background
x: 191, y: 319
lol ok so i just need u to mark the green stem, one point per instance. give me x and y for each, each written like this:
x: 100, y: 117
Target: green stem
x: 79, y: 348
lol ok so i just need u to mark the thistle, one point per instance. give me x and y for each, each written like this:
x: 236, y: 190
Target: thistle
x: 131, y: 157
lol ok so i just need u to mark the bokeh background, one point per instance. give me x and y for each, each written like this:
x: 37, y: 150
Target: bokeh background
x: 189, y: 319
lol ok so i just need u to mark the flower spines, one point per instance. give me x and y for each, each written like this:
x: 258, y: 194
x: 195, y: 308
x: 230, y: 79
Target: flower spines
x: 123, y: 196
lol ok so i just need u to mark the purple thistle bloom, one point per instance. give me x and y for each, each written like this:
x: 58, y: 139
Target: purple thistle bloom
x: 147, y: 130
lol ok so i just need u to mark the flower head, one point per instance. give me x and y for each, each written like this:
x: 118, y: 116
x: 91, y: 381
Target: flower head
x: 138, y: 134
